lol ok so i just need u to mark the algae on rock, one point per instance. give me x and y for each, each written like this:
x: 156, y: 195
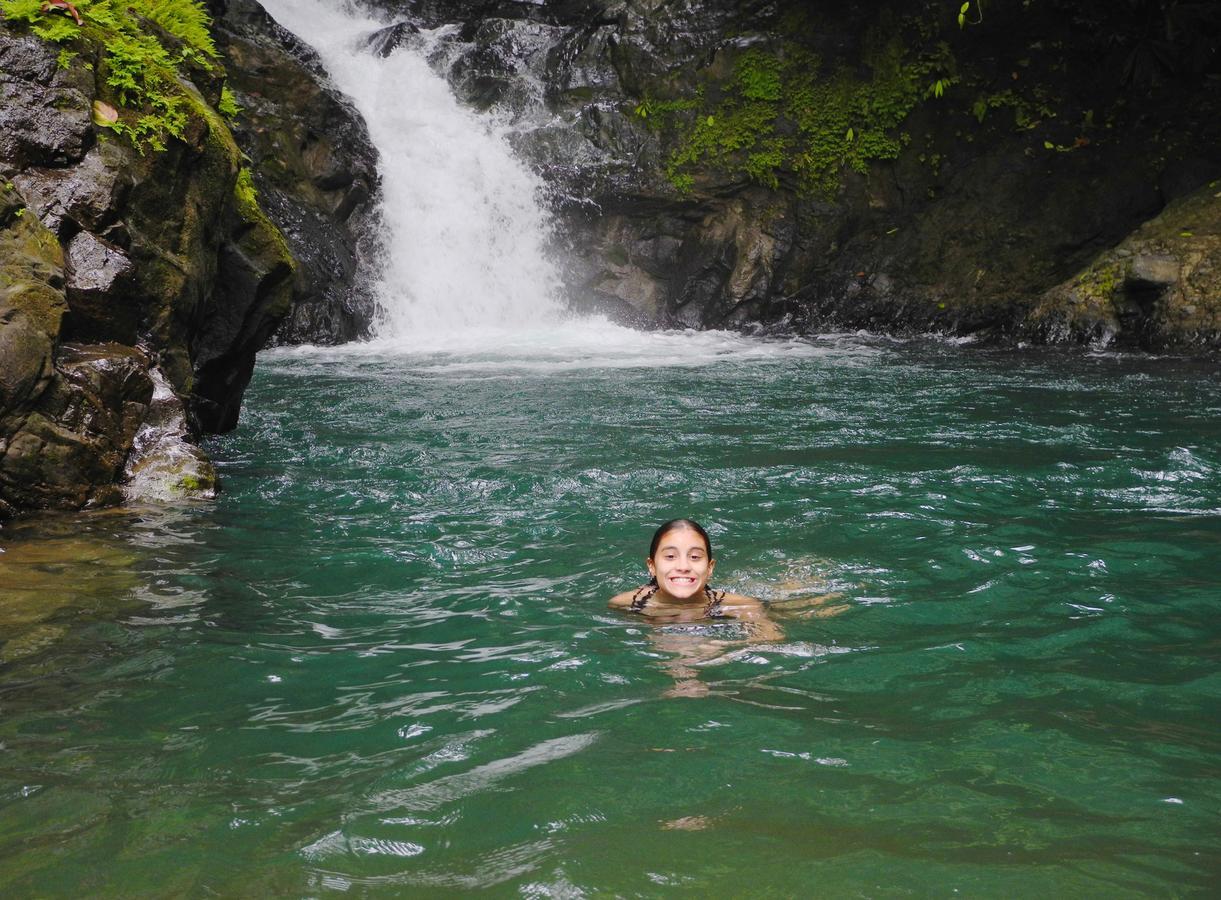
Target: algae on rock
x: 124, y: 255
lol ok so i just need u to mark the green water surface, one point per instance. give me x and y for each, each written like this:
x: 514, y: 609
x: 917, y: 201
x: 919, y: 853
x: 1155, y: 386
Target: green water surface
x: 380, y: 664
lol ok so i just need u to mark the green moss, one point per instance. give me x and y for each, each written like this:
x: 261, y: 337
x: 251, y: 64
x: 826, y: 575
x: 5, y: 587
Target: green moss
x: 141, y: 65
x: 264, y: 231
x: 1099, y: 282
x: 245, y: 194
x: 779, y: 115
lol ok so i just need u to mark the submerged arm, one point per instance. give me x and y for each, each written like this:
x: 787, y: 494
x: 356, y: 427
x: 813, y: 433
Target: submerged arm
x: 753, y: 614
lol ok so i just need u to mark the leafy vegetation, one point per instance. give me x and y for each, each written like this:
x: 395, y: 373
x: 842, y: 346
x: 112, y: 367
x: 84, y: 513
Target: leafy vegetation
x: 147, y: 44
x: 780, y: 115
x: 228, y: 105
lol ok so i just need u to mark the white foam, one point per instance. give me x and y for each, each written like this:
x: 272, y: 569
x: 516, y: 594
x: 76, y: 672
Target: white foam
x: 465, y: 235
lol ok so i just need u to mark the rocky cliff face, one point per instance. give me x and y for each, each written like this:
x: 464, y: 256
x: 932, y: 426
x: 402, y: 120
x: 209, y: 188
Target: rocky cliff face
x: 145, y: 261
x: 721, y: 164
x: 314, y: 167
x: 122, y: 267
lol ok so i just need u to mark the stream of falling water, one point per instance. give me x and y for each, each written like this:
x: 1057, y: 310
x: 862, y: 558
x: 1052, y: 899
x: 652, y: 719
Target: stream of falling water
x: 465, y: 234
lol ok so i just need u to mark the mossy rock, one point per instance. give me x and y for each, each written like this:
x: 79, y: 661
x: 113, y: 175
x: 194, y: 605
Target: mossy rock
x: 1159, y: 289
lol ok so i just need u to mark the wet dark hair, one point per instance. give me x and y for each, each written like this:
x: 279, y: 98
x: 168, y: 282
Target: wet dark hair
x: 673, y: 524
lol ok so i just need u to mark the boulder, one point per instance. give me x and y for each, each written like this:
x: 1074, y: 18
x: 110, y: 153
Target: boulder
x: 118, y: 261
x: 1159, y: 289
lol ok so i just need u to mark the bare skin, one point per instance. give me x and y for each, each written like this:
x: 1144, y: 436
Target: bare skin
x: 688, y: 651
x: 679, y: 594
x: 666, y: 610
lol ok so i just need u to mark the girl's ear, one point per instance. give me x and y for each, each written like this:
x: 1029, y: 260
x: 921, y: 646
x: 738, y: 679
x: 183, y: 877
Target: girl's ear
x: 652, y: 570
x: 711, y: 566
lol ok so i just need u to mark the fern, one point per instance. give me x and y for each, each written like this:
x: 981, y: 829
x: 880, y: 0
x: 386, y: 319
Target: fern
x: 28, y: 11
x: 184, y: 19
x: 137, y: 66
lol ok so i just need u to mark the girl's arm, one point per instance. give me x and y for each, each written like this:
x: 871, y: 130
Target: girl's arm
x: 754, y: 614
x: 624, y: 600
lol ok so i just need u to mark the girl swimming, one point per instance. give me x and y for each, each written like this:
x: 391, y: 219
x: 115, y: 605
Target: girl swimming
x: 680, y: 564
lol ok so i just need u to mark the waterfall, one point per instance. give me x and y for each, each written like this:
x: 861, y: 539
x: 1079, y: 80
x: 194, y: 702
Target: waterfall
x: 465, y: 235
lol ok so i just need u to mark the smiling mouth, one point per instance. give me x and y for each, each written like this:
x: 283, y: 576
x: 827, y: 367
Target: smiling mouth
x: 681, y: 579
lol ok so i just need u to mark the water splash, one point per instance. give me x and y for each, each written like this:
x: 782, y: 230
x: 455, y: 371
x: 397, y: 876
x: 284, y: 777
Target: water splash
x: 465, y: 236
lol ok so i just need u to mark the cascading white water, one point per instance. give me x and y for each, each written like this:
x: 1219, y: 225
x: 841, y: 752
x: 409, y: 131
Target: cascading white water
x: 466, y: 272
x: 465, y: 236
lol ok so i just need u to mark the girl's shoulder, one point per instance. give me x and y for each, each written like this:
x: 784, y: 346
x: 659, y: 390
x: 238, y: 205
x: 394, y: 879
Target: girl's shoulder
x: 738, y: 604
x: 624, y: 600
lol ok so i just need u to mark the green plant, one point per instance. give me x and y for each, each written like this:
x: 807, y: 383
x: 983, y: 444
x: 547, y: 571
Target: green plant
x: 778, y: 115
x: 244, y: 190
x: 141, y: 64
x: 228, y: 105
x: 1028, y: 112
x: 965, y: 10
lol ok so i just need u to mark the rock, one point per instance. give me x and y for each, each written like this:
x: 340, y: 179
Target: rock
x: 117, y: 262
x: 386, y: 40
x: 100, y: 277
x: 1159, y: 290
x: 252, y: 295
x: 942, y: 235
x: 1152, y: 271
x: 44, y: 110
x: 84, y: 196
x: 68, y: 449
x: 163, y: 463
x: 315, y: 170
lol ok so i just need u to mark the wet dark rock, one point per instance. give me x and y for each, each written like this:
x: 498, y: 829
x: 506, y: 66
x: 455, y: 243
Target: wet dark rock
x: 964, y: 232
x: 315, y: 169
x: 115, y: 263
x: 83, y: 196
x: 386, y: 40
x: 99, y: 277
x: 1159, y: 289
x: 44, y: 110
x: 70, y: 444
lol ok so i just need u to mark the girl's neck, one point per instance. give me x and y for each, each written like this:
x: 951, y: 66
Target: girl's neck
x: 662, y: 598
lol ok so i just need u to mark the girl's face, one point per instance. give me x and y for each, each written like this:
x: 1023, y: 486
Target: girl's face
x: 681, y: 564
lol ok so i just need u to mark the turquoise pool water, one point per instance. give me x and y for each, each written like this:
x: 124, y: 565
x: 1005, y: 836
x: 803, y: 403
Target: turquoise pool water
x: 380, y: 664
